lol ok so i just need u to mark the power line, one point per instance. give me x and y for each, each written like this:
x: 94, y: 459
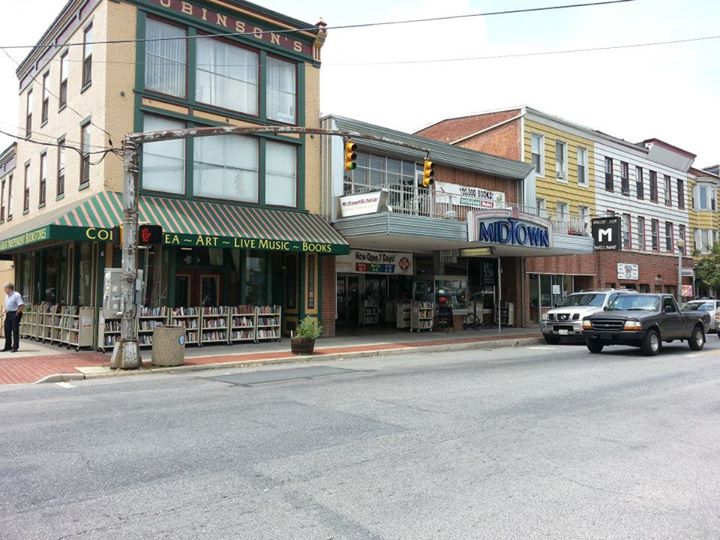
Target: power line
x: 103, y: 153
x: 51, y: 138
x: 456, y: 59
x: 528, y: 54
x: 34, y: 79
x: 338, y: 27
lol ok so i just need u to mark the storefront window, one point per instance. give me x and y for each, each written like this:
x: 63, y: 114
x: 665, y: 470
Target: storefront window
x: 281, y: 90
x: 24, y: 277
x: 376, y: 171
x: 56, y: 274
x: 226, y: 167
x: 84, y: 280
x: 255, y: 278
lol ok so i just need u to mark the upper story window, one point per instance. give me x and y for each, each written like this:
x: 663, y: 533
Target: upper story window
x: 2, y: 200
x: 375, y: 171
x: 42, y: 192
x: 61, y: 168
x: 541, y: 205
x: 28, y: 113
x: 280, y: 174
x: 226, y: 167
x: 609, y: 175
x: 669, y: 237
x: 641, y: 232
x: 668, y: 190
x: 639, y: 183
x: 26, y: 188
x: 562, y: 211
x: 681, y: 193
x: 704, y: 240
x: 653, y: 186
x: 85, y: 146
x: 626, y: 231
x: 281, y: 90
x: 624, y: 178
x: 227, y: 76
x: 165, y: 58
x: 682, y: 234
x: 62, y: 99
x: 9, y: 197
x: 537, y: 149
x: 45, y: 99
x: 561, y: 160
x: 582, y: 166
x: 655, y: 234
x: 87, y: 57
x: 163, y: 165
x: 705, y: 197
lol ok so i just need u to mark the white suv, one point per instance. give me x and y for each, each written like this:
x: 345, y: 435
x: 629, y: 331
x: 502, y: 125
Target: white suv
x: 710, y: 306
x: 565, y: 321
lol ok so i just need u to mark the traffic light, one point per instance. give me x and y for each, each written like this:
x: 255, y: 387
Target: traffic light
x: 350, y: 155
x: 149, y: 235
x: 428, y: 174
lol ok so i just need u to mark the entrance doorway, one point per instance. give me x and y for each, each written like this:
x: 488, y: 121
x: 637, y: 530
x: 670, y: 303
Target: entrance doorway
x: 197, y: 288
x: 348, y: 300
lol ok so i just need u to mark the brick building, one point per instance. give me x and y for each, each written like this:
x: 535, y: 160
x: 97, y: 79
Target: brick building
x: 581, y: 174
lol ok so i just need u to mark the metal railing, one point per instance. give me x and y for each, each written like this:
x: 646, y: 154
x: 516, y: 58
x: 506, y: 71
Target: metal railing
x: 413, y: 201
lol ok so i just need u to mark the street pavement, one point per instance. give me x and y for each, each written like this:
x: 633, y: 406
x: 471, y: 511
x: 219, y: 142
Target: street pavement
x: 527, y: 442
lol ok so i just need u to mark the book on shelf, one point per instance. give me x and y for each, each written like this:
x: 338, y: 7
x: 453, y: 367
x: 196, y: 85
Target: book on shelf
x: 212, y: 335
x: 150, y: 324
x: 268, y: 333
x: 243, y: 322
x: 215, y: 323
x: 269, y: 321
x: 268, y: 310
x: 185, y: 312
x: 244, y: 335
x: 243, y: 309
x: 214, y: 311
x: 146, y: 311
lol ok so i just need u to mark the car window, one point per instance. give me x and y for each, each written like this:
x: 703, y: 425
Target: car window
x: 584, y: 299
x: 668, y: 305
x: 635, y: 302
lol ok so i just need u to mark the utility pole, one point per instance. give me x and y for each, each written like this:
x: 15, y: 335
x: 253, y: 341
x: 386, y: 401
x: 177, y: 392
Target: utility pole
x: 126, y: 354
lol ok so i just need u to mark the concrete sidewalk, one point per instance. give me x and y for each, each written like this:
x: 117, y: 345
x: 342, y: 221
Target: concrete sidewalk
x: 37, y: 362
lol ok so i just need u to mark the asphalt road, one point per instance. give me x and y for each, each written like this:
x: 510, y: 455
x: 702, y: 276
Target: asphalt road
x: 516, y: 443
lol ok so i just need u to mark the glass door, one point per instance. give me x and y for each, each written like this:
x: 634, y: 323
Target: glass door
x: 182, y: 290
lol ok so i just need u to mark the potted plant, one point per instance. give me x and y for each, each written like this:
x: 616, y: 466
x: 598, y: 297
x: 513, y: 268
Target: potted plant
x: 303, y: 340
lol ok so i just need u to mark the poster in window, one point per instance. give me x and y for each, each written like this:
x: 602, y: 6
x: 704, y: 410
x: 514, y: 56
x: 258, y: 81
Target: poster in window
x: 311, y: 281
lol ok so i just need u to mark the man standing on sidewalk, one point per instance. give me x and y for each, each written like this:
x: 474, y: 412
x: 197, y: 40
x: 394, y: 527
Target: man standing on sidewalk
x: 13, y: 313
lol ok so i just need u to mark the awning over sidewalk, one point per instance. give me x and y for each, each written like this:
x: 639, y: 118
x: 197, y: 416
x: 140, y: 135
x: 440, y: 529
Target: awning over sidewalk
x: 185, y: 223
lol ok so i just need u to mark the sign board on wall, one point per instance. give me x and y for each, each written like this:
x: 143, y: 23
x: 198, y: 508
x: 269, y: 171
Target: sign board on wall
x: 687, y: 291
x: 628, y: 271
x: 449, y: 256
x: 360, y: 204
x: 375, y: 262
x: 607, y: 233
x: 473, y: 197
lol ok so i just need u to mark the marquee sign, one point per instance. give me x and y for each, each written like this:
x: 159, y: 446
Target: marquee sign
x: 375, y: 262
x: 232, y: 24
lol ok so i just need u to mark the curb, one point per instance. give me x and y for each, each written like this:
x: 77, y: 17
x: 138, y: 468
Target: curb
x: 331, y: 357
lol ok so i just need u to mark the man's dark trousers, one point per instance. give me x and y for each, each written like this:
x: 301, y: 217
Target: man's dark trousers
x: 12, y: 330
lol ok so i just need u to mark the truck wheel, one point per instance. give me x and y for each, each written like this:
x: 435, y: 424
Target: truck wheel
x: 551, y: 340
x: 697, y: 340
x: 651, y: 343
x: 594, y: 346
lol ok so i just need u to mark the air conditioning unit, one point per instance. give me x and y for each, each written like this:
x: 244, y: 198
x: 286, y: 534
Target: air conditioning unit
x: 560, y: 174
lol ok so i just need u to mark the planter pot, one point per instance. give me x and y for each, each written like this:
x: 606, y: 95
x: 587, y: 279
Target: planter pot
x: 299, y: 345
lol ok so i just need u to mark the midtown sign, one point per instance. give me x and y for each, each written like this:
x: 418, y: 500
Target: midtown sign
x: 508, y: 227
x: 513, y: 232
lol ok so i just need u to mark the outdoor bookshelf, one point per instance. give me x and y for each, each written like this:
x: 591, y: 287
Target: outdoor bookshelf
x: 148, y: 319
x: 242, y: 323
x: 188, y: 318
x: 421, y: 317
x: 268, y: 323
x: 214, y: 328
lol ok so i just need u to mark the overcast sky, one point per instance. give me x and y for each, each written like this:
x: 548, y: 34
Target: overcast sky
x: 669, y: 92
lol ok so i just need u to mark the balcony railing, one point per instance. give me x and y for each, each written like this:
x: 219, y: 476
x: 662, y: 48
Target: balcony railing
x: 412, y: 201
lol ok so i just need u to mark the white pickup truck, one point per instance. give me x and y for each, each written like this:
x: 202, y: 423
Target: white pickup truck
x: 565, y: 321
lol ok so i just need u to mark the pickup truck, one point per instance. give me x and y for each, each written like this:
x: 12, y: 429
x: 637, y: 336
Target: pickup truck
x: 645, y: 321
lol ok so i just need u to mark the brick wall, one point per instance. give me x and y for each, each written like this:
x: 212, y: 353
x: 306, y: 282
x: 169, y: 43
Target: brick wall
x: 512, y: 285
x: 503, y: 141
x: 660, y: 270
x: 329, y: 295
x: 570, y: 264
x: 454, y: 128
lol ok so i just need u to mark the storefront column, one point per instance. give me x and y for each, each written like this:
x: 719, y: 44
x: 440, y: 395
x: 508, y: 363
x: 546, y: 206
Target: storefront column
x: 328, y: 300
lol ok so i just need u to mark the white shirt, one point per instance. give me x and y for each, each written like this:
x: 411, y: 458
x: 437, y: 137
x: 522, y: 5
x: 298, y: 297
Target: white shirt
x: 13, y: 301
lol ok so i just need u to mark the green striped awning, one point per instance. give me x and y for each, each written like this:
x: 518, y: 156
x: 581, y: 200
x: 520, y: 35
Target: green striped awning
x: 188, y: 223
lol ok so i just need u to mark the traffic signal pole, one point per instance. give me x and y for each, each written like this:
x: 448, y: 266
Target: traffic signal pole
x: 126, y: 354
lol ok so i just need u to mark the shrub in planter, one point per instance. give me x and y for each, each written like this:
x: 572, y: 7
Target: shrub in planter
x: 303, y: 341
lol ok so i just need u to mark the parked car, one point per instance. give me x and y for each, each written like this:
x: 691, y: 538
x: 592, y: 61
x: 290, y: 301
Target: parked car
x: 645, y: 321
x: 711, y: 306
x: 565, y: 321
